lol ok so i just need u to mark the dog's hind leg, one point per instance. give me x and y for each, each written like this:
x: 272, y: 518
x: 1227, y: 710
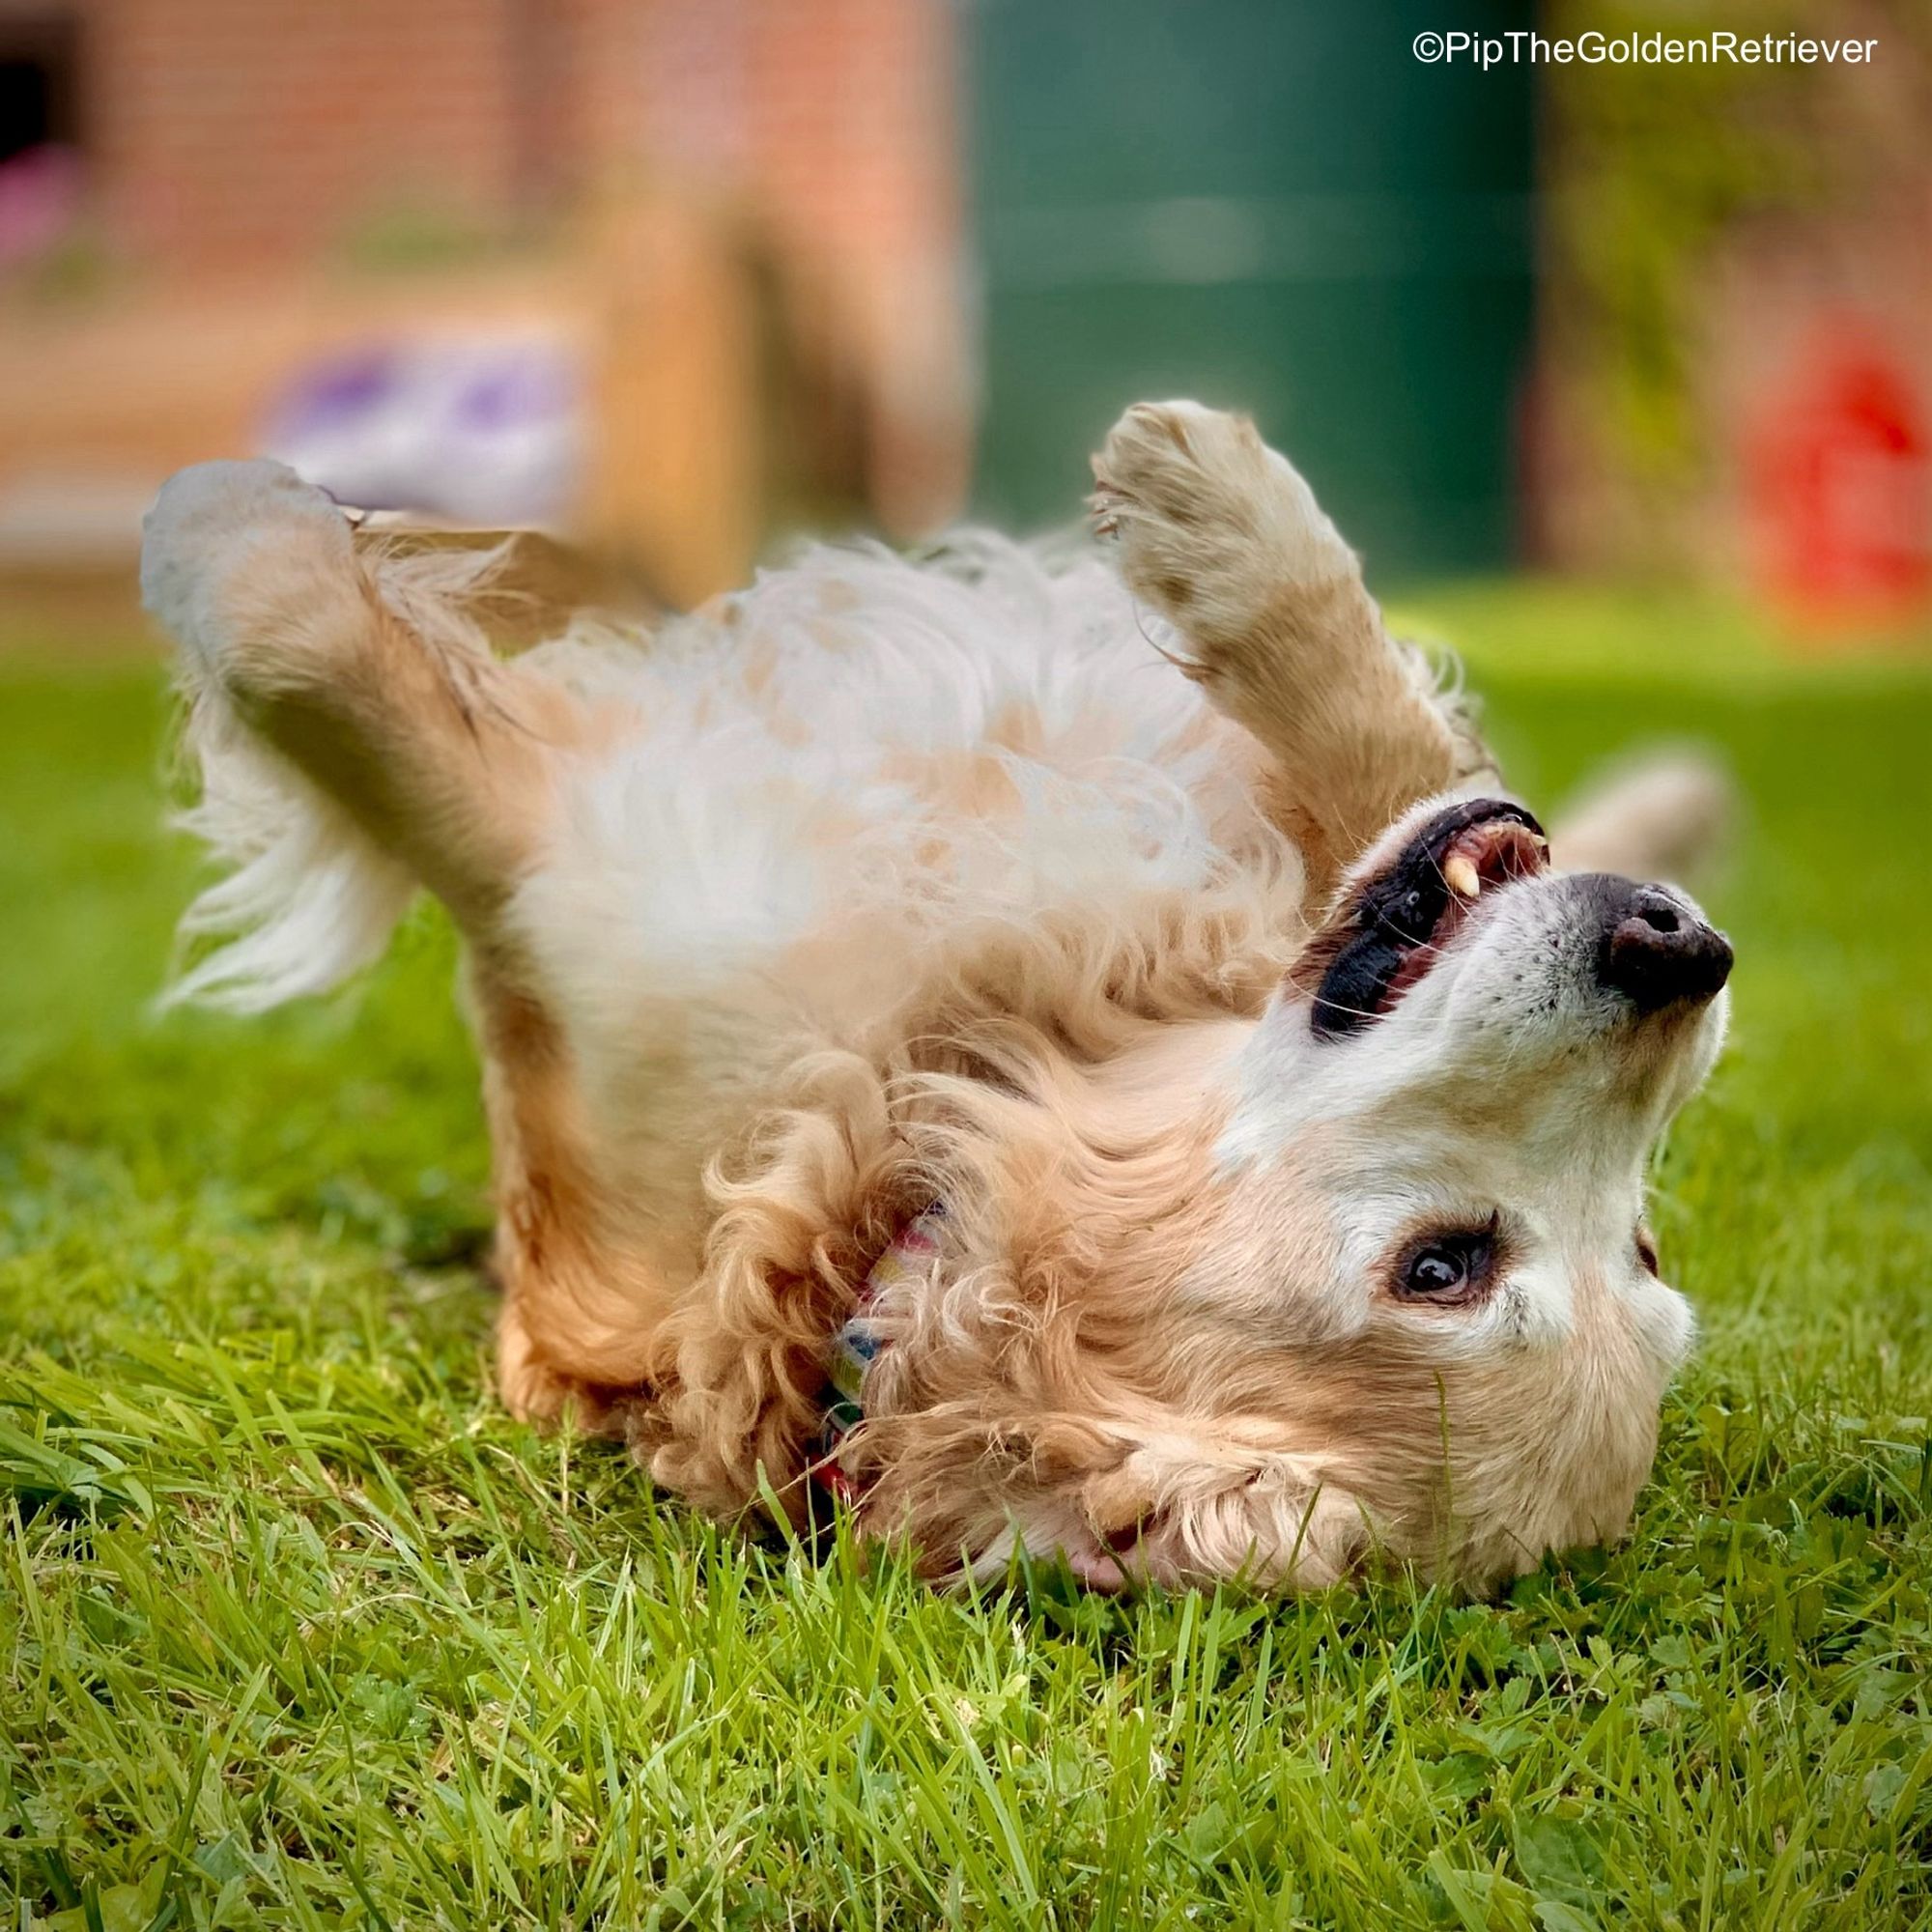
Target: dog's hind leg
x: 1222, y: 537
x: 435, y: 753
x: 348, y: 754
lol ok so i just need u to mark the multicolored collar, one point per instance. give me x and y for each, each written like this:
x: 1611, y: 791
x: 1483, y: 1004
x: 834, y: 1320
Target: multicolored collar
x: 857, y: 1345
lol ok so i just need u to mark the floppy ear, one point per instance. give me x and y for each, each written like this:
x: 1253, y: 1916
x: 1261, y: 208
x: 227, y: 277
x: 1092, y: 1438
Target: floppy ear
x: 1664, y: 815
x: 1176, y: 1507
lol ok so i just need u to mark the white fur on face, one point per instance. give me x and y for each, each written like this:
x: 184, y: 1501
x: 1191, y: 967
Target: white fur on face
x: 1506, y: 1087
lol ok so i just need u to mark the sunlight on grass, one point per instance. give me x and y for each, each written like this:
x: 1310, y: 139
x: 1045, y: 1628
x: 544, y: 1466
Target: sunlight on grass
x: 299, y: 1629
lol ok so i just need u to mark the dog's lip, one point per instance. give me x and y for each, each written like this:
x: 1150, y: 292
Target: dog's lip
x: 1396, y: 923
x: 1482, y: 857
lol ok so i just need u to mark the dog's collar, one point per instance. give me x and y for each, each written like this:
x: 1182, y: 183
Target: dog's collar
x: 857, y: 1343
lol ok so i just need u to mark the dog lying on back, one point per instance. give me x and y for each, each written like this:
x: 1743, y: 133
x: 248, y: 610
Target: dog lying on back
x: 1072, y: 1071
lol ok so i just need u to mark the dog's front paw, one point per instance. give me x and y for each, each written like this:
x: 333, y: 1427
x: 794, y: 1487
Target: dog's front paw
x: 212, y: 524
x: 1214, y: 526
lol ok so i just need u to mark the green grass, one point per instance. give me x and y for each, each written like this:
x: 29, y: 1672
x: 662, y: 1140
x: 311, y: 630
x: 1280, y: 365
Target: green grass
x: 299, y: 1628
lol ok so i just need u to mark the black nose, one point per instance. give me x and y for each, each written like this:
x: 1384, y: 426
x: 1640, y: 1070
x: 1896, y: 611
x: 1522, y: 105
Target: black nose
x: 1656, y: 950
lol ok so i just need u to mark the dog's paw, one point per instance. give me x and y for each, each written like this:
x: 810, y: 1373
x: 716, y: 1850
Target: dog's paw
x: 1213, y: 525
x: 212, y: 524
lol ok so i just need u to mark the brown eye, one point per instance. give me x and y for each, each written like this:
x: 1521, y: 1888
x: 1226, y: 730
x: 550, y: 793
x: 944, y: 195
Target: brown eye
x: 1448, y: 1267
x: 1646, y: 1249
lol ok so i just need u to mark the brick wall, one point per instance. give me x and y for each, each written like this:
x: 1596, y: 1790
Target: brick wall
x: 232, y: 131
x: 229, y: 129
x: 227, y: 134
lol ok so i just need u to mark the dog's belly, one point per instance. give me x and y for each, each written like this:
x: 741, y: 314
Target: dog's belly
x: 860, y: 784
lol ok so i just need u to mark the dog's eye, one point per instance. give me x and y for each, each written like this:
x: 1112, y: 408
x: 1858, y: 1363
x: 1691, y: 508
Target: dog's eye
x: 1449, y: 1266
x: 1646, y: 1249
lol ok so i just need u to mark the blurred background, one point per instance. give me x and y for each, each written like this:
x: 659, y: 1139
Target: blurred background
x: 677, y: 275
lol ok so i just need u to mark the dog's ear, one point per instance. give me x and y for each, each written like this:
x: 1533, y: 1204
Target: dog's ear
x: 1667, y: 814
x: 1177, y: 1507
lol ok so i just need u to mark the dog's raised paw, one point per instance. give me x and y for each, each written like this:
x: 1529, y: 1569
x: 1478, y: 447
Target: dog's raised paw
x: 1212, y: 523
x: 209, y: 522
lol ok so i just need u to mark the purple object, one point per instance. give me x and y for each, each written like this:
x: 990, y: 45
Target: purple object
x: 475, y: 430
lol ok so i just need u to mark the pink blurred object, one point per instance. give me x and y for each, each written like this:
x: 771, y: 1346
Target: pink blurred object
x: 1839, y: 485
x: 40, y: 196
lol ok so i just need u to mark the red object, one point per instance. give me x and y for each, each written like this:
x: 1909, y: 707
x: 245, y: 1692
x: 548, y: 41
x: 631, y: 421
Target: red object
x: 1840, y: 483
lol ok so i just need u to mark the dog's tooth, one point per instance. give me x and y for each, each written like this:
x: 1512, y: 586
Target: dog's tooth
x: 1460, y: 870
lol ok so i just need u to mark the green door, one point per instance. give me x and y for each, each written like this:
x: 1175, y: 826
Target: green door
x: 1267, y: 203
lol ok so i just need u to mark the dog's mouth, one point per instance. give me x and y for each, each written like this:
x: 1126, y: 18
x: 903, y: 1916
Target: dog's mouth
x: 1394, y: 926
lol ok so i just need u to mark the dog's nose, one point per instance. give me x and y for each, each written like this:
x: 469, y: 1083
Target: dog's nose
x: 1656, y: 950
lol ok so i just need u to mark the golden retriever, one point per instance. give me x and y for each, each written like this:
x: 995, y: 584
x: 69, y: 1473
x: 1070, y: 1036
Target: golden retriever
x: 1076, y: 1068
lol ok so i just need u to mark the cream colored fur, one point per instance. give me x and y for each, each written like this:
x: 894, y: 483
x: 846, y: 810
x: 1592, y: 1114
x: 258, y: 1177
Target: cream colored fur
x: 976, y: 877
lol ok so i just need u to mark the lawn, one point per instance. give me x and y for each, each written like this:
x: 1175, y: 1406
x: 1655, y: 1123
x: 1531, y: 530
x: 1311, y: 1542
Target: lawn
x: 298, y: 1629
